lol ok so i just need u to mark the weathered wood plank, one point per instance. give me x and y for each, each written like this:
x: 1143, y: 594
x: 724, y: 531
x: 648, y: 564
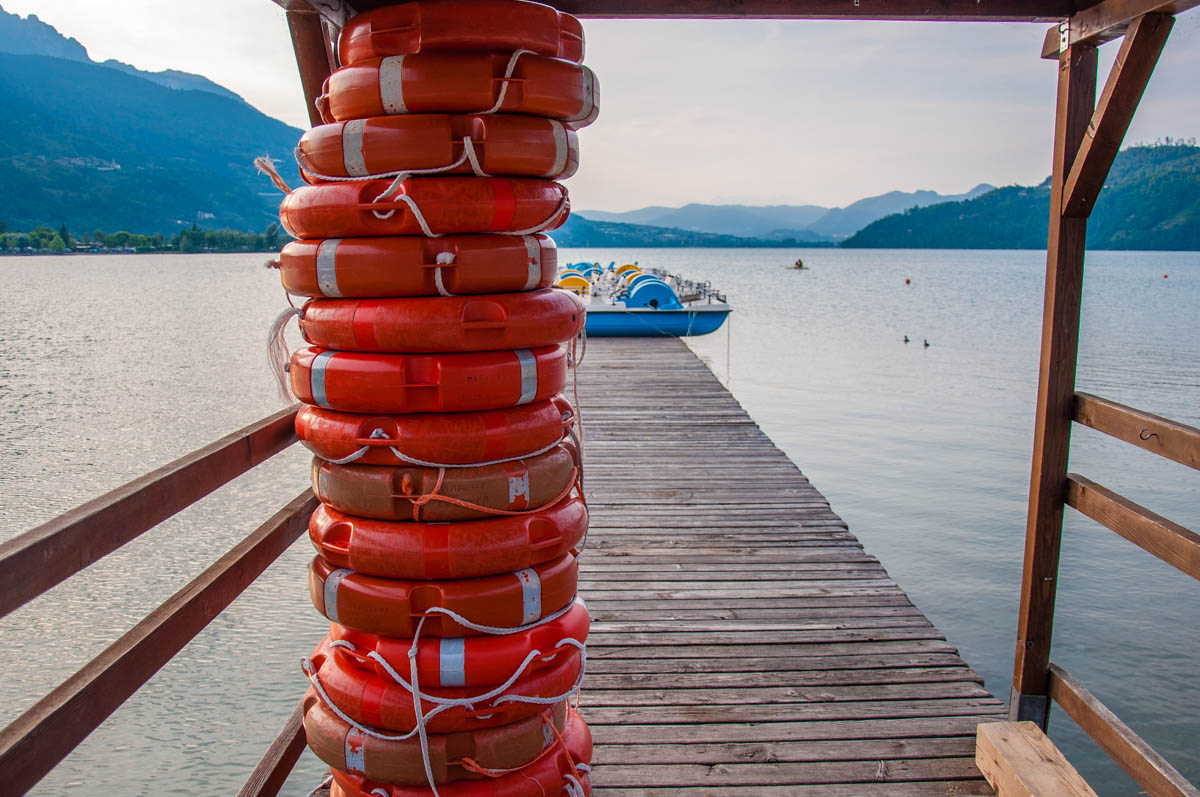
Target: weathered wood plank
x: 1019, y: 760
x: 742, y: 640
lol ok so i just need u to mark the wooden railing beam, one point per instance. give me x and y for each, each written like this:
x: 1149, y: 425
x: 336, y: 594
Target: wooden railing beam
x: 41, y: 737
x: 35, y: 561
x: 272, y: 771
x: 1056, y: 395
x: 1129, y: 750
x: 1135, y: 62
x: 1154, y: 433
x: 1175, y: 545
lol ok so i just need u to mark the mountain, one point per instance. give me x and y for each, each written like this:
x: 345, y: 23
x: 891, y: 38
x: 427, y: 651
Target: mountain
x: 31, y: 36
x: 582, y: 231
x: 781, y: 222
x: 1151, y: 201
x: 844, y: 222
x: 174, y: 79
x: 97, y: 148
x: 740, y: 220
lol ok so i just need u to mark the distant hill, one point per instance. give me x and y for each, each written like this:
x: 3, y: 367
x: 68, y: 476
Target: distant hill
x: 95, y: 147
x: 582, y: 231
x: 31, y: 36
x: 781, y: 222
x: 741, y: 220
x: 1151, y: 201
x: 844, y: 222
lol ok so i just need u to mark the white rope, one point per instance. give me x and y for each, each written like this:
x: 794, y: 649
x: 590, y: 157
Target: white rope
x: 563, y: 206
x: 442, y: 259
x: 424, y: 734
x: 379, y: 434
x: 442, y: 704
x: 469, y: 156
x: 324, y: 784
x: 508, y: 73
x: 277, y: 351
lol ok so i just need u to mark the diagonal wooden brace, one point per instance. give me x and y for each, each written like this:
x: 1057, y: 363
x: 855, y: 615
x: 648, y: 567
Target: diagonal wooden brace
x: 1127, y: 81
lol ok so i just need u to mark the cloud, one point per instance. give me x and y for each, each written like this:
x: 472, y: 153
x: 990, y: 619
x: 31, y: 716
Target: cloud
x: 820, y: 112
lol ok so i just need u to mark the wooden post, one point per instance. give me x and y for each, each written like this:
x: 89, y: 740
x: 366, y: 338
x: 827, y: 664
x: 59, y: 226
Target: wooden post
x: 1056, y: 390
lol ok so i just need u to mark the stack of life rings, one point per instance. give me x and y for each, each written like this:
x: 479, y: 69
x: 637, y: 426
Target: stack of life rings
x: 447, y: 462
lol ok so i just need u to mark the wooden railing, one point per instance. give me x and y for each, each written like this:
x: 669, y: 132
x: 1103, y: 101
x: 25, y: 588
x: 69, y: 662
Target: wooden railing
x: 1088, y: 134
x: 35, y: 561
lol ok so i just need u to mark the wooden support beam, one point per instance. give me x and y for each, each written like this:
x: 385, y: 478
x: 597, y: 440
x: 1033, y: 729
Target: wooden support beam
x: 35, y: 561
x: 1108, y: 20
x: 1145, y: 430
x: 1153, y: 533
x: 272, y: 771
x: 1056, y: 395
x: 312, y: 56
x: 1140, y: 49
x: 944, y: 10
x: 1137, y: 758
x: 43, y: 736
x: 1019, y: 760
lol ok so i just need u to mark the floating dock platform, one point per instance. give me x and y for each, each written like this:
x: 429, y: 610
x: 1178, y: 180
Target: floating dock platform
x: 743, y: 643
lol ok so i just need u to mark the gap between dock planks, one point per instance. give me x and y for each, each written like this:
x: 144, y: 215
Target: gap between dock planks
x: 743, y: 643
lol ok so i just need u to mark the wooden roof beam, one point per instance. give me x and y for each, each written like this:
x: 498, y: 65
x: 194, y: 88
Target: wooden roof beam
x: 1106, y: 21
x: 337, y: 11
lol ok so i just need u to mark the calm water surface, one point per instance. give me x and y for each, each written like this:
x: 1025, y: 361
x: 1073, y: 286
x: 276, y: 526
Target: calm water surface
x: 115, y: 365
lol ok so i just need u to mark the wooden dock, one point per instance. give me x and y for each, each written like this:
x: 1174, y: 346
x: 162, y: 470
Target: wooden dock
x: 742, y: 641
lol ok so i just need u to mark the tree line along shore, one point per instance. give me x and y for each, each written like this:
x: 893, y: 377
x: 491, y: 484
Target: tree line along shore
x: 44, y: 240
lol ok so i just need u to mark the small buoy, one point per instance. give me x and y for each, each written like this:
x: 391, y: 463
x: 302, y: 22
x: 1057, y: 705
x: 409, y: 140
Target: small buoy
x: 1164, y: 276
x: 907, y: 281
x: 906, y: 338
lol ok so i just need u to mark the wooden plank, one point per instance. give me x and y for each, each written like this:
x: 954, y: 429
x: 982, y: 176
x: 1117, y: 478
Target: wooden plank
x: 1110, y: 19
x: 272, y: 771
x: 1117, y: 739
x: 1056, y: 392
x: 1145, y: 430
x: 312, y: 49
x: 1019, y: 760
x: 945, y: 10
x: 1130, y: 73
x: 35, y: 742
x: 1153, y: 533
x: 35, y: 561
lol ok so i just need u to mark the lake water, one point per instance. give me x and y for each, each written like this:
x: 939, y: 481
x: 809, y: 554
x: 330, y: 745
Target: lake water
x: 114, y: 365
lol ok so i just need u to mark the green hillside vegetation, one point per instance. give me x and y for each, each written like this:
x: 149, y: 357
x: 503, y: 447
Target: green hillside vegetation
x: 94, y: 147
x: 44, y: 240
x: 1151, y: 201
x: 581, y: 231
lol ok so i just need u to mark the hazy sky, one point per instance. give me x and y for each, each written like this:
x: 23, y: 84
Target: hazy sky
x: 721, y: 111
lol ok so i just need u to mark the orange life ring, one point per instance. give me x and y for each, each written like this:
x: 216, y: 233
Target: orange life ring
x: 459, y: 382
x: 454, y: 549
x: 397, y: 493
x: 393, y: 607
x: 446, y: 205
x: 409, y: 265
x: 444, y: 323
x: 461, y: 438
x: 543, y: 777
x: 499, y: 143
x: 474, y: 661
x: 348, y: 749
x: 379, y: 702
x: 417, y: 27
x: 462, y: 83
